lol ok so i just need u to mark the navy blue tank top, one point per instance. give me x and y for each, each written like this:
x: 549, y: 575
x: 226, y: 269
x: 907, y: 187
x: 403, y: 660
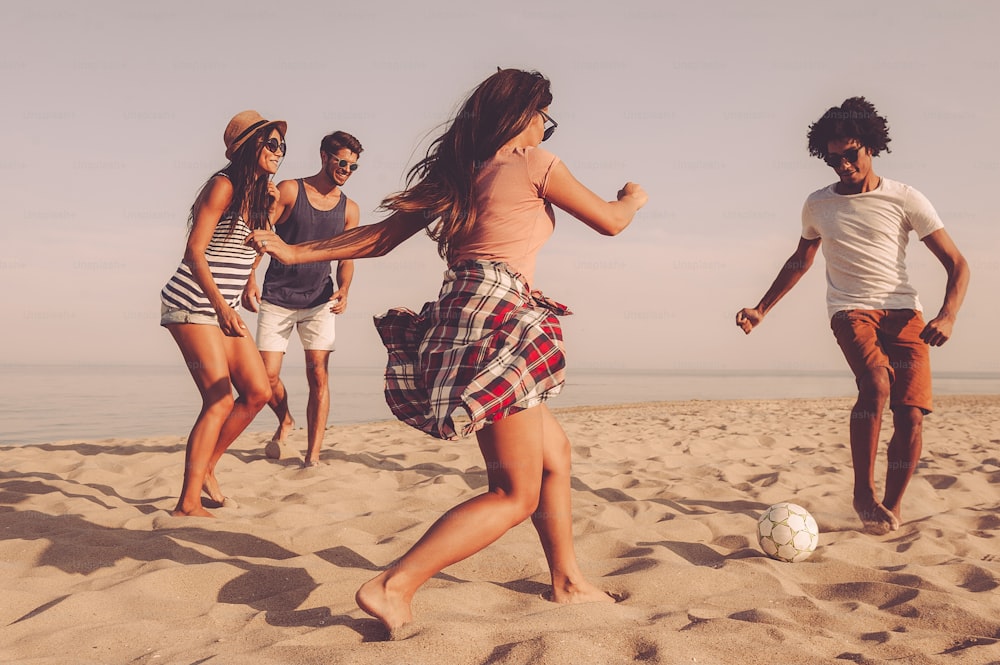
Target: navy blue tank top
x: 307, y: 284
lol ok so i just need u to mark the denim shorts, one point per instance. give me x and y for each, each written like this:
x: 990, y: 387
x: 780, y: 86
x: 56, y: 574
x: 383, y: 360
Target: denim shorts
x: 169, y: 315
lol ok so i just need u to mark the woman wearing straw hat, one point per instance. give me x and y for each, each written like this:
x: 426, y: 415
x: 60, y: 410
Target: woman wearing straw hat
x: 198, y: 302
x: 490, y: 348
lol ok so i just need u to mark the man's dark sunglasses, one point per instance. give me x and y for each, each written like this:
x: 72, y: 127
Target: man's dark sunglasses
x: 344, y: 164
x: 851, y: 155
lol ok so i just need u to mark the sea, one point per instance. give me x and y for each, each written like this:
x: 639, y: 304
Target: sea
x: 50, y: 403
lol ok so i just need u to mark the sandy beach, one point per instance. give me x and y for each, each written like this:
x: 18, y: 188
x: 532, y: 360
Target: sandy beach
x: 666, y: 497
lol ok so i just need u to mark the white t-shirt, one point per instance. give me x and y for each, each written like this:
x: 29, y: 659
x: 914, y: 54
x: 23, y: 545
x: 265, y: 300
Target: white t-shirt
x: 864, y: 243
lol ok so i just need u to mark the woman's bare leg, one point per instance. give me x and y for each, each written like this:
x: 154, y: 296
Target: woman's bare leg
x: 512, y: 449
x: 205, y: 356
x: 216, y: 363
x: 248, y: 376
x: 554, y: 519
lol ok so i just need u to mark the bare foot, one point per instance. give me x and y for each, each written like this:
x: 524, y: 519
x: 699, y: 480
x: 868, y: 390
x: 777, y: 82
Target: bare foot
x: 876, y: 518
x: 195, y: 512
x: 211, y: 488
x: 897, y: 513
x: 581, y: 592
x: 312, y: 462
x: 392, y: 610
x: 284, y: 428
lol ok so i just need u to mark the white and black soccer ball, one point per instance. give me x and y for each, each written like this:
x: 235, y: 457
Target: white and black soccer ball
x: 787, y: 532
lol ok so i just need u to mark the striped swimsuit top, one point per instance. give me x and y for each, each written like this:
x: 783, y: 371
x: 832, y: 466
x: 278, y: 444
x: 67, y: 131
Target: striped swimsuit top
x: 230, y: 261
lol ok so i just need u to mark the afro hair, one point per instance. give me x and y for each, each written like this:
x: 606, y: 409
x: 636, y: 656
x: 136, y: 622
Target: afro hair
x: 857, y: 119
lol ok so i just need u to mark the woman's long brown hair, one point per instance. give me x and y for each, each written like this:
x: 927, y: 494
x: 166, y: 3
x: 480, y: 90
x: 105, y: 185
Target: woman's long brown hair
x: 250, y: 197
x: 441, y: 184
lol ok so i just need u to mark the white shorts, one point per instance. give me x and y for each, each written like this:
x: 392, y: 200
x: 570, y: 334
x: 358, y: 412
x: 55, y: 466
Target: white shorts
x: 315, y: 326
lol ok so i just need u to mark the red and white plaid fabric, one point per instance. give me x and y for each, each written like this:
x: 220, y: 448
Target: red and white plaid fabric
x: 485, y: 349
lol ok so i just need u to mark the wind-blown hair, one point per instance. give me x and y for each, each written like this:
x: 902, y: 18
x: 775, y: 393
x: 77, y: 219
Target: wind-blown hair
x: 441, y: 184
x: 857, y: 119
x: 250, y: 197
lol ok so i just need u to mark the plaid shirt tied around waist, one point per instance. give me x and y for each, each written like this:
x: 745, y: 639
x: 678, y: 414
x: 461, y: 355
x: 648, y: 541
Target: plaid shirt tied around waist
x: 485, y: 349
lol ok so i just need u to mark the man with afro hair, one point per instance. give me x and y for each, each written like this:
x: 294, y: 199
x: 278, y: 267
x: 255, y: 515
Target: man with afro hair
x: 863, y: 222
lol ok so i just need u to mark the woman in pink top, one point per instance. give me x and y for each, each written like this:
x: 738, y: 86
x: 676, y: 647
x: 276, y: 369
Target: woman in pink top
x: 489, y: 349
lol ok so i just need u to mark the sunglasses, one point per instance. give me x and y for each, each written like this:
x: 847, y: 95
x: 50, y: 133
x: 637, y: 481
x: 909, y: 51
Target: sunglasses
x: 344, y: 164
x: 551, y: 129
x: 851, y: 155
x: 273, y: 146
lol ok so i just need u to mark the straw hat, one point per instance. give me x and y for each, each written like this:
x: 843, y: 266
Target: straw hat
x: 243, y: 125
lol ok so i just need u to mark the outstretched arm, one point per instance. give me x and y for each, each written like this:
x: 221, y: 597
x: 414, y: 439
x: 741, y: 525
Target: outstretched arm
x: 938, y: 330
x: 789, y: 275
x: 363, y: 242
x: 606, y: 217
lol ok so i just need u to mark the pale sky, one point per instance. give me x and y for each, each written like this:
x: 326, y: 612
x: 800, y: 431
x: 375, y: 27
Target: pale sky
x: 113, y: 116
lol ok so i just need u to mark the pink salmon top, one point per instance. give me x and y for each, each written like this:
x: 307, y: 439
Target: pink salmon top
x: 513, y: 220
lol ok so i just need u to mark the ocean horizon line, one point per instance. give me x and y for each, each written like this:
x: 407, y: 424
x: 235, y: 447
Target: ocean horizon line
x: 595, y: 369
x: 52, y: 402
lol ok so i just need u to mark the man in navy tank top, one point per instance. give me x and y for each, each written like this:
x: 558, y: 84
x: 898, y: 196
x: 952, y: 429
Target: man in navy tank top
x: 305, y: 297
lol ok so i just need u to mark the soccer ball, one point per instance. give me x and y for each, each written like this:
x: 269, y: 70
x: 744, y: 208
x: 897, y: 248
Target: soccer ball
x: 787, y: 532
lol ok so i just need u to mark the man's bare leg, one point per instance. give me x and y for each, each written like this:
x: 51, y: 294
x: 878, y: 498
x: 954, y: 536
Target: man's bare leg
x: 318, y: 407
x: 866, y: 425
x: 904, y: 455
x: 278, y: 403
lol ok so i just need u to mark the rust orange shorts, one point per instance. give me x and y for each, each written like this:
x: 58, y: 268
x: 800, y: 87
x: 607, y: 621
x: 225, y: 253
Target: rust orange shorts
x: 872, y: 339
